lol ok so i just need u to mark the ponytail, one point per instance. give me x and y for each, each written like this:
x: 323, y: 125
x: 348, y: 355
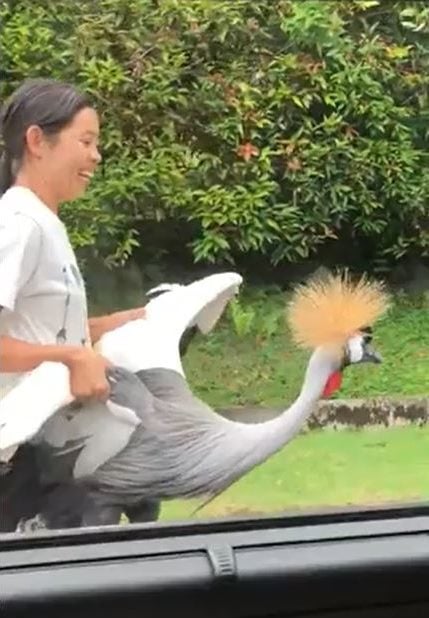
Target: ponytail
x: 6, y: 174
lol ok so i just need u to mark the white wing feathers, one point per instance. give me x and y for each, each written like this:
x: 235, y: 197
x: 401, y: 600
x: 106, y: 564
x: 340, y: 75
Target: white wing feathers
x: 27, y: 406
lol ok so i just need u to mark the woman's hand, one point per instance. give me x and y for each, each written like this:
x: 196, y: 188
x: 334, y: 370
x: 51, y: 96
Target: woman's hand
x: 88, y: 379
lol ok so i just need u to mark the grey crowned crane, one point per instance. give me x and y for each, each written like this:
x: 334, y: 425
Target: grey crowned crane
x: 155, y: 440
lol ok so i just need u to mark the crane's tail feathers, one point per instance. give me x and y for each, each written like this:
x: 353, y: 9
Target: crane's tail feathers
x: 72, y: 446
x: 25, y: 408
x: 206, y: 502
x: 330, y: 310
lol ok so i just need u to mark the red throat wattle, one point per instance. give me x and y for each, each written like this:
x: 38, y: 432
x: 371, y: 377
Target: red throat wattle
x: 333, y: 384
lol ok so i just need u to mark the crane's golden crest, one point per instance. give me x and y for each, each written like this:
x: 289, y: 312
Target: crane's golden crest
x: 329, y: 311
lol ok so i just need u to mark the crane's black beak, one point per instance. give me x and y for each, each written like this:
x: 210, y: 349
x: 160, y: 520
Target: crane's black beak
x: 370, y: 355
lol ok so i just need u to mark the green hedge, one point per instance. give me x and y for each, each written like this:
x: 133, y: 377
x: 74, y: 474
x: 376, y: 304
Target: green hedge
x: 272, y: 127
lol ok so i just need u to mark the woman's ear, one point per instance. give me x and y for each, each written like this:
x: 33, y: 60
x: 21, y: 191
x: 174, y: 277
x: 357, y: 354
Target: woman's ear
x: 35, y: 140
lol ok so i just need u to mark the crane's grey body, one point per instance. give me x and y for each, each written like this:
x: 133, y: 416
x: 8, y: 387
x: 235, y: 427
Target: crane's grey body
x: 180, y: 447
x: 176, y: 446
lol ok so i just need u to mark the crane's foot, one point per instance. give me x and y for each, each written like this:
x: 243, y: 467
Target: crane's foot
x: 5, y: 468
x: 28, y: 526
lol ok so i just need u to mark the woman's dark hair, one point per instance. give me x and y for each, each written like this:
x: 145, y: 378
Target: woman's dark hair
x: 49, y: 104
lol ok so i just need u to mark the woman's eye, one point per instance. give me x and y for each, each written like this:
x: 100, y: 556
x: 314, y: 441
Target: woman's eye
x: 87, y: 141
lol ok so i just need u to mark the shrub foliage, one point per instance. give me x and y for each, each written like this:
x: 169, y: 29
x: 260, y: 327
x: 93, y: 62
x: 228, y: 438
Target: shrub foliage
x: 270, y: 127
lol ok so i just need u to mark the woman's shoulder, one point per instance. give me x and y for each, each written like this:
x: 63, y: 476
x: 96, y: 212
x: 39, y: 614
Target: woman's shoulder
x: 15, y: 210
x: 20, y: 206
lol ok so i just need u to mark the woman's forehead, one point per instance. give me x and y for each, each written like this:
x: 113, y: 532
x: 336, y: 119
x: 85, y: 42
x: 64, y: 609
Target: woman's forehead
x: 86, y: 121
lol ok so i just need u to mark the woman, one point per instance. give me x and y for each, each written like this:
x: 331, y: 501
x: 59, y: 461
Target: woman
x: 50, y: 133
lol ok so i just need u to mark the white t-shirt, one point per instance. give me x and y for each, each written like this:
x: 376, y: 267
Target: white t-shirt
x: 41, y: 288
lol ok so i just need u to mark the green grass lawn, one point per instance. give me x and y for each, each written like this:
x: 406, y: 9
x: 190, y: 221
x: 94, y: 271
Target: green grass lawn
x: 327, y: 469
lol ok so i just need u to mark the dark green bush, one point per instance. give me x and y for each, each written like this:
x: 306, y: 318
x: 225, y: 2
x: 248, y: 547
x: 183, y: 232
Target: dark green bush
x: 270, y: 127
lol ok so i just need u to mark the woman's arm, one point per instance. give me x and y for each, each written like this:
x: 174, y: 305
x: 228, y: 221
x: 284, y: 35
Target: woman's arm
x: 100, y: 325
x: 19, y: 356
x: 87, y: 368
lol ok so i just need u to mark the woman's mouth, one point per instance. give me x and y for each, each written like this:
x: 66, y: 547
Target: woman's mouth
x: 86, y: 175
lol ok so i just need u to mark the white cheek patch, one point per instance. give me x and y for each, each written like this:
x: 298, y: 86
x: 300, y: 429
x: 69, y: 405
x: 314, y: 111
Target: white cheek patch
x: 355, y: 349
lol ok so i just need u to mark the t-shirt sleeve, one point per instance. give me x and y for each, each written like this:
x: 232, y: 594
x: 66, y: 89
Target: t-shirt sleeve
x: 20, y: 241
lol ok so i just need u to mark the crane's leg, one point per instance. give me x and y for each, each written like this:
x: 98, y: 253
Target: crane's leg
x: 147, y: 510
x: 20, y: 491
x: 69, y: 506
x: 27, y: 504
x: 62, y: 505
x: 100, y: 510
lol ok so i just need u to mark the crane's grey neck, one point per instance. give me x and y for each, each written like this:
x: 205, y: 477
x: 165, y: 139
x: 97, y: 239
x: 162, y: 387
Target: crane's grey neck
x: 267, y: 438
x: 319, y: 369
